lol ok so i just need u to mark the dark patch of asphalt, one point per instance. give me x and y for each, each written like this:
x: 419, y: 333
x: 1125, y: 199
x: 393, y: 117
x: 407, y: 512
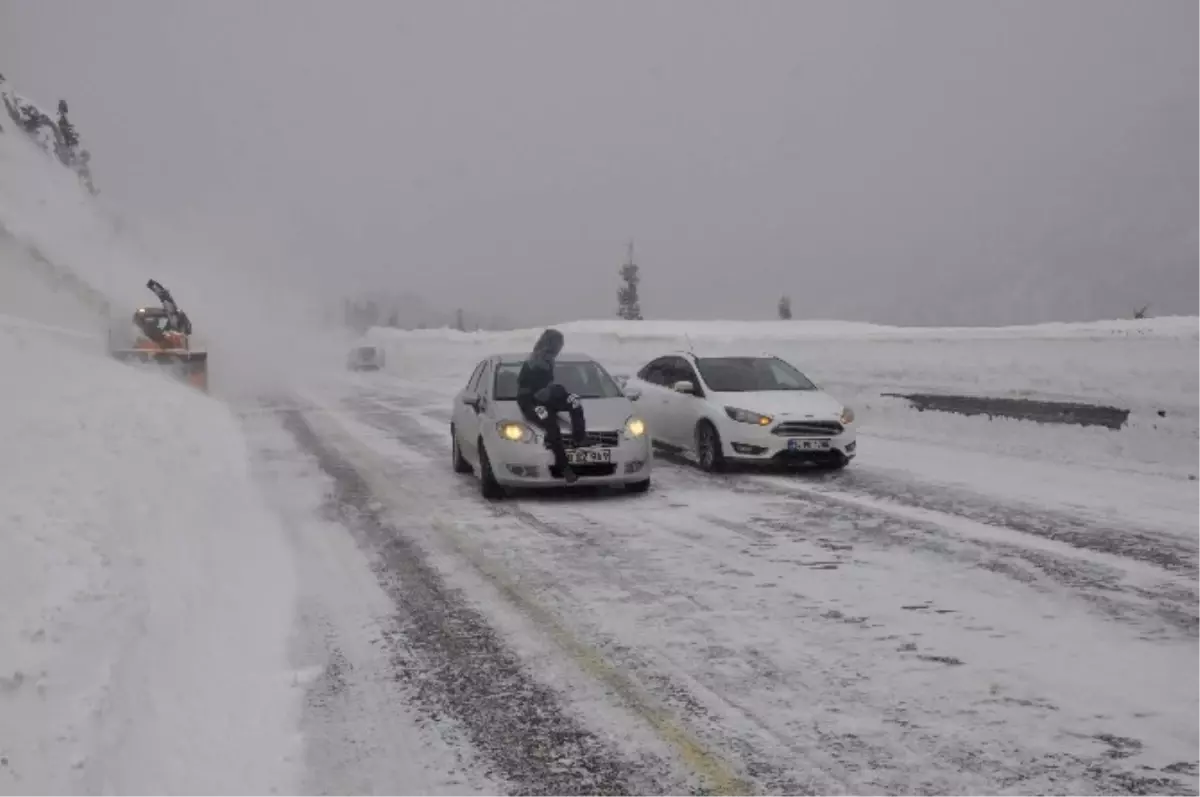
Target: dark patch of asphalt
x: 1104, y: 779
x: 457, y: 665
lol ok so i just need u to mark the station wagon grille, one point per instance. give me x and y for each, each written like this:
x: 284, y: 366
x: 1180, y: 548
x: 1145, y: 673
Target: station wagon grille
x: 808, y: 429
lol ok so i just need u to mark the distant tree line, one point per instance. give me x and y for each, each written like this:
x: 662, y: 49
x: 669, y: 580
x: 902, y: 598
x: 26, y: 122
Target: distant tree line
x: 57, y: 136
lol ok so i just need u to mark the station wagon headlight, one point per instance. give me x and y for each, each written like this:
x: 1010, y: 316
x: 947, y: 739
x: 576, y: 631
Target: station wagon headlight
x: 847, y: 415
x: 746, y: 416
x: 635, y: 427
x: 515, y: 432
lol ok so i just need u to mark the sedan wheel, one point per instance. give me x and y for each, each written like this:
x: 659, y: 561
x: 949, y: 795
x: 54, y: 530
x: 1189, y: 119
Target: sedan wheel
x: 638, y: 487
x: 489, y: 488
x: 460, y: 463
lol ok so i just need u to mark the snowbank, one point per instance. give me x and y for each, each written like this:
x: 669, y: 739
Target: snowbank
x: 146, y: 594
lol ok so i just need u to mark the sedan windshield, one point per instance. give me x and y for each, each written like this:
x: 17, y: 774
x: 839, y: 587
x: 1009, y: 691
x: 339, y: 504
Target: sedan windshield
x: 749, y: 374
x: 588, y: 380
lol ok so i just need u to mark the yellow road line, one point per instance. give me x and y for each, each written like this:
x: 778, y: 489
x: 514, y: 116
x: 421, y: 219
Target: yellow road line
x: 721, y: 778
x: 718, y: 773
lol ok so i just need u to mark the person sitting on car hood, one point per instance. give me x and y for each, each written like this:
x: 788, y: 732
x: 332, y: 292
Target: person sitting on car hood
x: 541, y: 399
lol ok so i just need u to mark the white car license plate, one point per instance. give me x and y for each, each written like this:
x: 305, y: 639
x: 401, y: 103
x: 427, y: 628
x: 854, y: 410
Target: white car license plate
x: 587, y: 456
x: 808, y: 445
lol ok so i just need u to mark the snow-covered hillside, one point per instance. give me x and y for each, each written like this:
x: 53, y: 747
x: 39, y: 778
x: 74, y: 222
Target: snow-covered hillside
x: 147, y: 594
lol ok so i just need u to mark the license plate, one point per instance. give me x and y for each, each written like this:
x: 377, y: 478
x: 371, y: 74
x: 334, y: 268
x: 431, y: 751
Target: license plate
x: 808, y: 445
x: 586, y: 456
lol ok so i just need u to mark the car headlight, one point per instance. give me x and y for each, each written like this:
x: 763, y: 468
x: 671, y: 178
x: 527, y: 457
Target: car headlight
x: 847, y: 415
x: 746, y: 416
x: 515, y: 432
x: 635, y: 427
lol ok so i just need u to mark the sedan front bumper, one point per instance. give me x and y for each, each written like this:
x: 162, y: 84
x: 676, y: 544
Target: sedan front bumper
x: 532, y: 464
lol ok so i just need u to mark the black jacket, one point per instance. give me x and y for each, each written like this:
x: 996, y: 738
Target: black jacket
x: 537, y: 373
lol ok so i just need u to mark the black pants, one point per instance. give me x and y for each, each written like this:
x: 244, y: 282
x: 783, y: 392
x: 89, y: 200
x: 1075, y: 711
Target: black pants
x: 543, y: 408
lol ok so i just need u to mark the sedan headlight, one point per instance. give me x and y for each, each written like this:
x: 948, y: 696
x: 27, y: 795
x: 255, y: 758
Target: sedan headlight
x: 635, y: 427
x: 746, y: 416
x: 847, y: 415
x: 515, y: 432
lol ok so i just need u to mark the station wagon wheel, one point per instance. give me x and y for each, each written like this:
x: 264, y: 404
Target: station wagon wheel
x: 708, y: 448
x: 460, y: 462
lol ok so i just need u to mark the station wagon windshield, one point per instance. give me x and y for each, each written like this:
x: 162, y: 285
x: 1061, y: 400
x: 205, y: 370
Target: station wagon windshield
x: 749, y: 374
x: 588, y: 380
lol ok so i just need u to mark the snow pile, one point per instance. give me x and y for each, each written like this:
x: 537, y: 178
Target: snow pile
x: 146, y: 595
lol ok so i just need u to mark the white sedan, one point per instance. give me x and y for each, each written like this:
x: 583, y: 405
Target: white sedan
x: 490, y: 437
x: 748, y: 409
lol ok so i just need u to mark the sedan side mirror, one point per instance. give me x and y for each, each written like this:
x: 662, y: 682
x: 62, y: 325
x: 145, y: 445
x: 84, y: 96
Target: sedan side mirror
x: 633, y: 393
x: 685, y: 386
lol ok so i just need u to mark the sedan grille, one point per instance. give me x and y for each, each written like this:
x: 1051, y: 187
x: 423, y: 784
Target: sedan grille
x: 608, y: 439
x: 808, y: 429
x: 591, y: 470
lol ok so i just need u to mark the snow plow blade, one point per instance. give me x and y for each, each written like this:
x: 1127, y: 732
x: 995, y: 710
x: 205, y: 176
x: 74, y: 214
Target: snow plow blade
x: 188, y: 366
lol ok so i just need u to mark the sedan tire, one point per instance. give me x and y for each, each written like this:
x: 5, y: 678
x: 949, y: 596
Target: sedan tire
x: 709, y: 454
x: 460, y: 463
x: 638, y: 487
x: 489, y: 488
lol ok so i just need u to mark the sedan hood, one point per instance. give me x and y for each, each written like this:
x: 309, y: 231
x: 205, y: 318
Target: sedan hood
x: 600, y: 414
x: 794, y: 404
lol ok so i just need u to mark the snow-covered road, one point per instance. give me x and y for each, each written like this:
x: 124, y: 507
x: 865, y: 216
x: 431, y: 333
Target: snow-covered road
x: 878, y: 630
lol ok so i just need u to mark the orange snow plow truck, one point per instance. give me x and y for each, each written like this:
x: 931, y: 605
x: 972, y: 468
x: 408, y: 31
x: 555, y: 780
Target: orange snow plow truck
x: 164, y: 338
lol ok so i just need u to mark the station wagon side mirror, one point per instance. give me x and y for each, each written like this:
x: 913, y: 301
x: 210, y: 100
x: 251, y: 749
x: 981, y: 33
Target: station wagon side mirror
x: 471, y: 401
x: 633, y: 393
x: 685, y: 386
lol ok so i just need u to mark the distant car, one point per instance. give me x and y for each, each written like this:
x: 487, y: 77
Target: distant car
x: 365, y: 358
x: 490, y: 437
x: 742, y: 409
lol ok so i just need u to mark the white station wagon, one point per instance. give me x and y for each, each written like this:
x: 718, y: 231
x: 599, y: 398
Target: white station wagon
x: 750, y: 409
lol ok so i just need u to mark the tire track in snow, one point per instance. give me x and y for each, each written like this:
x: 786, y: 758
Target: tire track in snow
x: 1160, y: 603
x: 1133, y: 589
x: 668, y: 689
x: 617, y: 557
x: 460, y: 665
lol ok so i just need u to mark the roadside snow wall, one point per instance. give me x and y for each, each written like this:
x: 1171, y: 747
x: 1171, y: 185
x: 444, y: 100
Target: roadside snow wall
x: 146, y: 593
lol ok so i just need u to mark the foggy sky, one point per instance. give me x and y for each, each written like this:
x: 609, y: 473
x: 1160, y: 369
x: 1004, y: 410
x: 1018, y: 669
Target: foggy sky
x: 917, y: 162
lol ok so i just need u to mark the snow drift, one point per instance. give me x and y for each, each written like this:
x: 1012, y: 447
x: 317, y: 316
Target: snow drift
x: 146, y: 593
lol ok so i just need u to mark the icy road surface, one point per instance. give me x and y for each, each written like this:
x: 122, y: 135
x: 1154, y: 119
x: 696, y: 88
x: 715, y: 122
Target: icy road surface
x: 861, y: 632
